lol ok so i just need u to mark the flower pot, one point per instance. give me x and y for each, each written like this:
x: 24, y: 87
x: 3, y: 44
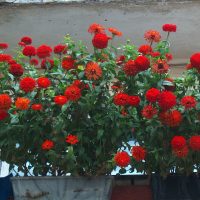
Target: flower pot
x: 175, y: 187
x: 65, y: 188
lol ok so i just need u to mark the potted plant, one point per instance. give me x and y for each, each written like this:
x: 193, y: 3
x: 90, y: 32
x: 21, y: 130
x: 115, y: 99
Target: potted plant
x: 166, y: 122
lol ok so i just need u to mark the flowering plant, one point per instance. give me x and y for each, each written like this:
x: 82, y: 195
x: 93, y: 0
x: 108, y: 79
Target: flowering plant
x: 77, y: 111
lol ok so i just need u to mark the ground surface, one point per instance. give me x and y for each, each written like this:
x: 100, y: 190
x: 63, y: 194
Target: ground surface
x: 50, y: 22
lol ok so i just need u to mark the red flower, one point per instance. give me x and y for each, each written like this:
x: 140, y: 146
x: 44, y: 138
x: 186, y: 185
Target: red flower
x: 100, y: 40
x: 121, y: 99
x: 29, y: 51
x: 27, y: 84
x: 160, y: 67
x: 169, y: 27
x: 26, y: 40
x: 16, y: 70
x: 72, y: 139
x: 133, y: 101
x: 115, y: 32
x: 178, y: 142
x: 5, y: 58
x: 44, y: 51
x: 171, y: 118
x: 130, y: 68
x: 10, y: 62
x: 47, y: 64
x: 93, y: 71
x: 145, y: 49
x: 47, y: 145
x: 3, y: 46
x: 152, y: 95
x: 5, y: 102
x: 181, y: 153
x: 149, y: 111
x: 96, y: 28
x: 142, y: 63
x: 34, y: 62
x: 155, y: 54
x: 60, y: 49
x: 22, y: 103
x: 22, y: 44
x: 36, y: 107
x: 73, y: 93
x: 188, y: 102
x: 81, y: 85
x: 60, y: 100
x: 195, y: 61
x: 168, y: 56
x: 122, y: 159
x: 166, y: 100
x: 68, y: 63
x: 152, y: 36
x: 120, y: 59
x: 138, y: 153
x: 195, y: 142
x: 3, y: 115
x: 43, y: 82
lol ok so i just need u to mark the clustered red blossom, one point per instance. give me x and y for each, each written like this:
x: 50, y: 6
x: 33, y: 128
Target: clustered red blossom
x: 60, y: 100
x: 27, y: 84
x: 36, y: 107
x: 43, y: 82
x: 169, y: 27
x: 16, y: 70
x: 122, y: 159
x: 72, y: 139
x: 73, y: 93
x: 68, y: 63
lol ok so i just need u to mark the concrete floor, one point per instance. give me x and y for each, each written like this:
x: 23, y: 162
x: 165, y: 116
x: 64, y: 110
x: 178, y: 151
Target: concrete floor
x: 48, y: 23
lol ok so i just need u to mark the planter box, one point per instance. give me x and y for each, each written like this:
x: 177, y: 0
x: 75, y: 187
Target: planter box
x: 62, y: 188
x: 176, y: 187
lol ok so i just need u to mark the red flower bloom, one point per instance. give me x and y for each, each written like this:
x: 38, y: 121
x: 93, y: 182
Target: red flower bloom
x: 195, y: 61
x: 130, y: 68
x: 166, y: 100
x: 171, y: 118
x: 100, y: 40
x: 133, y: 101
x: 152, y: 95
x: 96, y: 28
x: 138, y: 153
x: 60, y: 49
x: 27, y: 84
x: 160, y: 67
x: 43, y: 82
x: 47, y: 64
x: 155, y: 54
x: 121, y: 99
x: 10, y: 62
x: 169, y: 27
x: 3, y: 46
x: 168, y: 56
x: 44, y: 51
x: 5, y: 102
x: 26, y: 40
x: 73, y: 93
x: 60, y: 100
x: 72, y: 139
x: 34, y: 62
x: 122, y: 159
x: 3, y: 115
x: 145, y: 49
x: 68, y: 63
x: 115, y: 32
x: 181, y: 153
x: 178, y: 142
x: 142, y: 63
x: 16, y: 70
x: 22, y: 103
x: 149, y: 111
x: 188, y: 102
x: 47, y: 145
x: 29, y: 51
x: 81, y: 85
x: 36, y: 107
x: 195, y: 142
x: 152, y: 36
x: 93, y: 71
x: 5, y: 58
